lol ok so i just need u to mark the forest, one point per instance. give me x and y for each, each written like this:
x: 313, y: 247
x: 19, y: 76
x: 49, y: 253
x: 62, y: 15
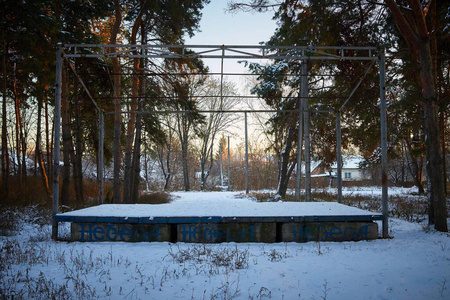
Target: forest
x: 185, y: 149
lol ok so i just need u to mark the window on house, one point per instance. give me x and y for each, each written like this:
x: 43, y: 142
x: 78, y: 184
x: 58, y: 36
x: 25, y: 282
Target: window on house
x: 348, y: 175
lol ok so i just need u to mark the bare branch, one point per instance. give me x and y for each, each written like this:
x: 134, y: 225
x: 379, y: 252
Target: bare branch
x: 376, y: 3
x: 253, y: 5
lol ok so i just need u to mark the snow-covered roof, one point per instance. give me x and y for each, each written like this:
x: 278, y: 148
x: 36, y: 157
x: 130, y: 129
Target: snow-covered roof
x: 350, y: 162
x: 314, y: 165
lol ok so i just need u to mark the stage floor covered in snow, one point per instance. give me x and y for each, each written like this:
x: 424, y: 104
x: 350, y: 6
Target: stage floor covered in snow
x: 211, y: 217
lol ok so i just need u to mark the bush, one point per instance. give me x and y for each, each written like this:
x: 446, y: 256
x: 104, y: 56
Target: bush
x: 12, y: 219
x: 411, y: 207
x: 154, y: 198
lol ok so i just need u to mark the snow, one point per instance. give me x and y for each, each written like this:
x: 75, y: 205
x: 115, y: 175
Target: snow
x: 222, y: 204
x: 350, y: 162
x: 415, y: 264
x: 313, y: 166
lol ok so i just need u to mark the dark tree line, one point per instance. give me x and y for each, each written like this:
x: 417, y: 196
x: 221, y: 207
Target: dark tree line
x: 30, y: 33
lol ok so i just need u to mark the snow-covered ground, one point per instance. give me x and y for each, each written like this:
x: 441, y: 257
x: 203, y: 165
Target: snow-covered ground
x: 415, y: 264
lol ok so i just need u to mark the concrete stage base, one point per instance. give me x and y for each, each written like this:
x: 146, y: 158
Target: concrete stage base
x: 269, y: 223
x: 259, y: 232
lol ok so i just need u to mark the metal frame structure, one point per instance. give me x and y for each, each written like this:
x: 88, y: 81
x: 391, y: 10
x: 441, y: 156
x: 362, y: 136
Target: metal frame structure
x: 222, y: 52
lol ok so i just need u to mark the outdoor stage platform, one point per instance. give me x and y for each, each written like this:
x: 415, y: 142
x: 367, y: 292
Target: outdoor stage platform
x: 222, y: 217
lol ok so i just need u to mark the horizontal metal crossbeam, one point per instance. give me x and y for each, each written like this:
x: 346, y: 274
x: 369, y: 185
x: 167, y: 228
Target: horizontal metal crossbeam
x: 234, y: 111
x: 222, y: 52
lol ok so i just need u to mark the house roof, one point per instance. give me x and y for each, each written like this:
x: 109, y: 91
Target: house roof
x: 314, y: 165
x: 350, y: 162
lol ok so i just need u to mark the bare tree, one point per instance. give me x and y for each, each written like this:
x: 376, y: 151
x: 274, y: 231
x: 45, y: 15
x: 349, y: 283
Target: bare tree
x: 217, y: 99
x: 164, y: 151
x: 187, y: 121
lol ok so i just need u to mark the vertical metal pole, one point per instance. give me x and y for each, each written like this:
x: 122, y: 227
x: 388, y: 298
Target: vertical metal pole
x: 55, y: 208
x: 229, y: 180
x: 339, y: 156
x: 307, y: 159
x: 304, y: 91
x: 246, y: 155
x: 299, y: 150
x: 384, y: 188
x: 100, y: 165
x: 221, y: 163
x: 221, y: 77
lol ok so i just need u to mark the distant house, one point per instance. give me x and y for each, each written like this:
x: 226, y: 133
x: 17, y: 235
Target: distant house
x: 317, y: 169
x: 351, y: 170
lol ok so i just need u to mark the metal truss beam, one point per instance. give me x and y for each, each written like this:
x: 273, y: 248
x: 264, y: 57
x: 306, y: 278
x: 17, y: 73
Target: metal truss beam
x: 241, y: 52
x: 223, y: 52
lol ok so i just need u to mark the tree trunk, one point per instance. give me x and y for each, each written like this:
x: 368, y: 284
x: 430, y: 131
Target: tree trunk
x: 202, y: 165
x: 284, y: 171
x: 207, y: 154
x: 117, y: 103
x: 437, y: 67
x: 184, y: 158
x: 414, y: 167
x: 78, y: 164
x: 168, y: 174
x: 5, y: 154
x: 436, y: 191
x: 136, y: 162
x: 117, y: 134
x: 20, y: 140
x: 23, y: 144
x: 38, y: 152
x: 183, y: 125
x: 442, y: 121
x: 164, y: 161
x: 66, y: 138
x: 416, y: 33
x: 128, y: 174
x: 47, y: 142
x: 146, y: 167
x: 77, y: 156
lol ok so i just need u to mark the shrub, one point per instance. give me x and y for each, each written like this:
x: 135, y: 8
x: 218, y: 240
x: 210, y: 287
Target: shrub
x: 154, y: 198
